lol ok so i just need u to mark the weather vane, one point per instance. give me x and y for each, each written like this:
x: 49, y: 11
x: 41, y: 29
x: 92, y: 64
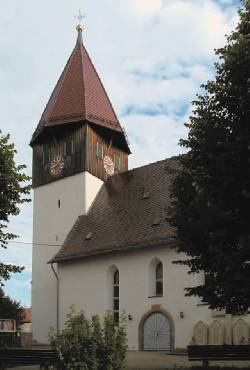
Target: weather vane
x: 79, y: 17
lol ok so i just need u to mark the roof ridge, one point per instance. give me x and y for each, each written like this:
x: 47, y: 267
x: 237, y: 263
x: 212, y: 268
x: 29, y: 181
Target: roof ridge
x: 55, y: 91
x: 79, y: 95
x: 144, y: 165
x: 84, y: 96
x: 97, y: 74
x: 117, y: 175
x: 63, y: 76
x: 121, y: 174
x: 121, y: 218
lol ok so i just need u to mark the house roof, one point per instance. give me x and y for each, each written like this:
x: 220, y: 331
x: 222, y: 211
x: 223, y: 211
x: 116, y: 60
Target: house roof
x: 130, y: 211
x: 27, y: 315
x: 79, y: 95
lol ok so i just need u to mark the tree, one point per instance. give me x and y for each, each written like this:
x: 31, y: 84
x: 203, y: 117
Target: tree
x: 13, y: 192
x: 211, y: 190
x: 89, y: 344
x: 10, y: 309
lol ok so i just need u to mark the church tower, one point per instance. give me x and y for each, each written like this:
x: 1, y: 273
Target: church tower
x: 77, y: 144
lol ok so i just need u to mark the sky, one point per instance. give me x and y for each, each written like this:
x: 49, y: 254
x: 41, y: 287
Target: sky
x: 152, y: 56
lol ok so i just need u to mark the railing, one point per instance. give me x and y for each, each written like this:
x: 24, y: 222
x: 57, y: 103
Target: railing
x: 10, y: 340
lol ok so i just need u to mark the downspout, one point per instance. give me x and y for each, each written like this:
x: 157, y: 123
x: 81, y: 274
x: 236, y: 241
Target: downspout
x: 57, y: 296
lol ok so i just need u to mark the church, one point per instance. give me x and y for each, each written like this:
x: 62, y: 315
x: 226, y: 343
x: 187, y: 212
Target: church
x: 101, y: 237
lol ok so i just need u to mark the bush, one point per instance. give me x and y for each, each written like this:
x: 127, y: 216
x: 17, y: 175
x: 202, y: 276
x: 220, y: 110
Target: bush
x: 90, y: 345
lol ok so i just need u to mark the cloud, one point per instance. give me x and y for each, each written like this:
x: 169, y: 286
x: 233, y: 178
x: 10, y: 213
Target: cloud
x: 145, y: 7
x: 159, y: 140
x: 228, y: 3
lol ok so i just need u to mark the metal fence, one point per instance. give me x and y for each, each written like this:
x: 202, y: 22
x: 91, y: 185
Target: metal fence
x: 10, y: 340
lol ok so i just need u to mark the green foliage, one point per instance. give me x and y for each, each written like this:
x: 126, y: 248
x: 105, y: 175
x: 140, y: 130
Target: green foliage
x: 212, y: 188
x: 90, y: 345
x: 13, y: 191
x: 10, y: 309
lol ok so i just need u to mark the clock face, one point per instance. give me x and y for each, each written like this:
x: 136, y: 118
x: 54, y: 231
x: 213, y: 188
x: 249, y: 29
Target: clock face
x: 108, y: 165
x: 57, y: 166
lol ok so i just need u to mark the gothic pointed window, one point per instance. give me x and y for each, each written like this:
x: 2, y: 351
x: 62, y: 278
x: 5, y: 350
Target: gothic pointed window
x: 159, y: 279
x: 116, y: 301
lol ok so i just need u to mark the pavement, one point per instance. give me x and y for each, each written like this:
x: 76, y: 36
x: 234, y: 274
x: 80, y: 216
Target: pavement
x: 157, y: 361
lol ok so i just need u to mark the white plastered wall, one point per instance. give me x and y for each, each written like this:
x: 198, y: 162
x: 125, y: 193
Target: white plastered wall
x: 51, y: 225
x: 87, y: 285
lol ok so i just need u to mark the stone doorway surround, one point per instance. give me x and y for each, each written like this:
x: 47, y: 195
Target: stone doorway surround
x: 156, y: 309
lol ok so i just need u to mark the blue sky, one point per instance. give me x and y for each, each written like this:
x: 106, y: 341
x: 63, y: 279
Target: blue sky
x: 152, y: 56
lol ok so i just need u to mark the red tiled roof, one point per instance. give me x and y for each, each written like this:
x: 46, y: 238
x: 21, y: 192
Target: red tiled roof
x: 27, y: 315
x: 79, y: 95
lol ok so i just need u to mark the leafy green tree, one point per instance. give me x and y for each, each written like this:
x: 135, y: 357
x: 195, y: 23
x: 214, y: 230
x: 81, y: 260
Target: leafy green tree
x: 212, y: 188
x: 13, y: 192
x: 10, y: 309
x: 89, y: 345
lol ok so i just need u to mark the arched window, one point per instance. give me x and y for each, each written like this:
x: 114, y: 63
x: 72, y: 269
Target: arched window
x: 116, y: 302
x: 155, y: 278
x: 159, y: 279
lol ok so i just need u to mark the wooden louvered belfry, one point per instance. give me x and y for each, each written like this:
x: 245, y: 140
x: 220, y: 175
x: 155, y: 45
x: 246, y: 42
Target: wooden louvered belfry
x: 78, y: 117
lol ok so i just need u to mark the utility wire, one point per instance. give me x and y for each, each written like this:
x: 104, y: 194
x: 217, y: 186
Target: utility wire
x: 29, y: 243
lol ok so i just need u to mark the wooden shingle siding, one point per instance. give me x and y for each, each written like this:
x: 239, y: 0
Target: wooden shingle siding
x: 84, y: 156
x: 94, y: 164
x: 73, y: 164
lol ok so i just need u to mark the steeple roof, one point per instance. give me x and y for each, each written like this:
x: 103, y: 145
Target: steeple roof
x: 79, y: 95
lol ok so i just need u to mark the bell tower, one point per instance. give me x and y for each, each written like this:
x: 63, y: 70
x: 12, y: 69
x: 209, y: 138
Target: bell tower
x: 77, y: 144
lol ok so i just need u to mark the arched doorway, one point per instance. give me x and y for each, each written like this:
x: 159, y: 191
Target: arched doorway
x: 156, y: 331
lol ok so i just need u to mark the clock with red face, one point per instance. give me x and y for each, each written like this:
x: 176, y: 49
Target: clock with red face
x: 108, y: 165
x: 56, y: 166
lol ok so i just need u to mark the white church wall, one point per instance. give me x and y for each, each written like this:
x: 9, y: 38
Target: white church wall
x: 56, y: 208
x: 92, y: 186
x: 86, y: 285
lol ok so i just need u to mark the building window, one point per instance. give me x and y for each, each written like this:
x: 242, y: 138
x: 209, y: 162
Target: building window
x: 99, y: 150
x: 116, y: 302
x: 59, y: 203
x: 46, y: 155
x: 68, y: 148
x: 159, y: 279
x: 155, y: 278
x: 117, y: 163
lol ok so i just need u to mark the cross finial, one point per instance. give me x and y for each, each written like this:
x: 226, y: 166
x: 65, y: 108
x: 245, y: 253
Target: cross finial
x: 79, y: 17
